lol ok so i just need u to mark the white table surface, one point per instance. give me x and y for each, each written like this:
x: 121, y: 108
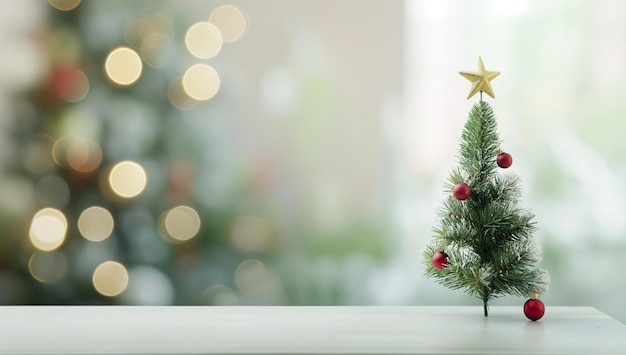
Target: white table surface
x: 306, y: 330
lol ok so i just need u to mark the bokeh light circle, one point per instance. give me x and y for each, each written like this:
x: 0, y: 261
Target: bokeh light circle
x: 76, y: 153
x: 110, y: 278
x: 64, y: 5
x: 48, y: 229
x: 203, y: 40
x: 201, y: 82
x: 127, y: 179
x: 95, y: 223
x: 249, y: 234
x: 123, y: 66
x: 231, y: 22
x: 180, y: 224
x: 250, y: 275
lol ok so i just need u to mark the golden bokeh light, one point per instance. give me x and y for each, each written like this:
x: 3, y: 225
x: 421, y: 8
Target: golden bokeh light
x: 127, y: 179
x: 179, y: 224
x: 64, y: 5
x: 48, y: 229
x: 79, y: 154
x: 110, y: 278
x: 201, y: 82
x: 250, y: 275
x: 84, y: 155
x: 231, y: 22
x: 249, y: 234
x: 123, y: 66
x: 48, y: 267
x: 178, y: 97
x: 203, y: 40
x: 95, y: 223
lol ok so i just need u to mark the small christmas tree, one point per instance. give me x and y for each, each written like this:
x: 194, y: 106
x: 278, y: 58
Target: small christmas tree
x: 484, y: 242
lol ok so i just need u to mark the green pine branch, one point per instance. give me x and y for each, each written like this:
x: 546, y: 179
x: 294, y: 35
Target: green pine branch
x: 488, y: 238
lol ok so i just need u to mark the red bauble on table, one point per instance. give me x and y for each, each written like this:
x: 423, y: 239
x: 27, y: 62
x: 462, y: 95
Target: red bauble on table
x: 504, y: 160
x: 440, y: 260
x: 534, y: 308
x: 461, y: 191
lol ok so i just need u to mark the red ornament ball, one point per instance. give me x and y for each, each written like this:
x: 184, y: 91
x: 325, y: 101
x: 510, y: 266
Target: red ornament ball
x: 504, y: 160
x: 461, y: 191
x: 534, y: 309
x: 440, y: 260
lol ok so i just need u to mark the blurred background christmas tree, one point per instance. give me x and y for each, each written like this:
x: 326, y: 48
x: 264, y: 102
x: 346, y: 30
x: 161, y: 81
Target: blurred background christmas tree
x: 138, y: 170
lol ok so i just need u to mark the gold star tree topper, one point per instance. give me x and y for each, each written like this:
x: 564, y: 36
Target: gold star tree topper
x: 480, y: 79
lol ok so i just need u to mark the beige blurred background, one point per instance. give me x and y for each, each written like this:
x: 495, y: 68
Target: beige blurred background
x: 296, y: 157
